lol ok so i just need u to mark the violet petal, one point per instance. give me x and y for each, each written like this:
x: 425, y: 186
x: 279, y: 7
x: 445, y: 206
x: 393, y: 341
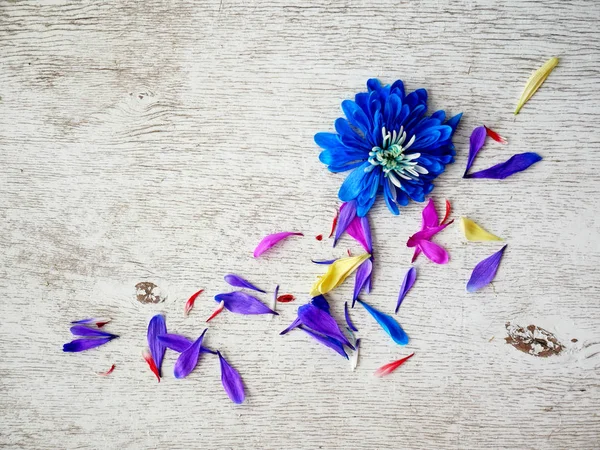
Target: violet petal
x: 326, y: 262
x: 179, y: 343
x: 360, y: 230
x: 269, y: 241
x: 80, y: 330
x: 348, y: 320
x: 237, y: 281
x: 347, y: 215
x: 296, y: 323
x: 327, y: 341
x: 516, y: 163
x: 320, y: 302
x: 156, y: 327
x: 242, y: 303
x: 320, y: 321
x: 188, y: 359
x: 360, y: 280
x: 485, y: 271
x: 388, y: 323
x: 232, y: 381
x: 79, y: 345
x: 425, y: 234
x: 407, y: 283
x: 475, y: 144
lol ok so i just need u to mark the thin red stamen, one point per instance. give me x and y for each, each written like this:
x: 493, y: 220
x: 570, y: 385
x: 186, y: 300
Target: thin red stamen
x: 286, y: 298
x: 217, y: 311
x: 148, y: 358
x: 190, y: 303
x: 389, y: 368
x: 495, y: 136
x: 335, y: 220
x: 108, y: 372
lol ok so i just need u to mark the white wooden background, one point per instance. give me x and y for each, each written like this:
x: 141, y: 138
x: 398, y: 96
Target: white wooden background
x: 160, y: 140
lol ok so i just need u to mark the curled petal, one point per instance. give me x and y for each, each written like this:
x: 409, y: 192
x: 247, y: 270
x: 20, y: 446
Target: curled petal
x: 388, y: 323
x: 180, y: 343
x: 336, y: 273
x: 269, y: 241
x: 108, y: 372
x: 363, y: 275
x: 535, y: 81
x: 217, y: 311
x: 190, y: 303
x: 156, y: 327
x: 495, y: 136
x: 476, y: 143
x: 188, y: 359
x: 516, y: 163
x: 355, y: 354
x: 327, y: 341
x: 321, y: 321
x: 389, y: 368
x: 242, y: 303
x: 148, y: 358
x: 232, y: 381
x: 474, y: 232
x: 80, y: 330
x: 237, y: 281
x: 485, y: 271
x: 80, y: 345
x: 295, y: 324
x: 434, y: 252
x: 348, y: 320
x: 407, y: 283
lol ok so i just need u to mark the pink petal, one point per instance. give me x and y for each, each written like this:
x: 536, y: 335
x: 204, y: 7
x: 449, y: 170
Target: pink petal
x: 426, y: 234
x: 434, y: 252
x: 270, y: 240
x: 430, y: 216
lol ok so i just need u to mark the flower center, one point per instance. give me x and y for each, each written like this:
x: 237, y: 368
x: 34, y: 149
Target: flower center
x: 392, y: 158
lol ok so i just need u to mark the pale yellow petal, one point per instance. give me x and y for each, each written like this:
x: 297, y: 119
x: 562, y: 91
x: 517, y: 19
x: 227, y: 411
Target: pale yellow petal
x: 474, y: 232
x: 336, y: 273
x: 535, y: 81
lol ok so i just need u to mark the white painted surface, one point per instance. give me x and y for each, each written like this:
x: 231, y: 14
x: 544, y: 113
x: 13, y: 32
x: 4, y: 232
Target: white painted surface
x: 160, y: 140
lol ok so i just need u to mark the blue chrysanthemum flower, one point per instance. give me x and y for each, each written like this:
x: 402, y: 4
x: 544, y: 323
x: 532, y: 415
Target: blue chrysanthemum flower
x: 390, y: 145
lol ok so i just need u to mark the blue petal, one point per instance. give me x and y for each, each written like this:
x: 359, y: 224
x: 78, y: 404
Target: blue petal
x: 453, y: 122
x: 349, y: 137
x: 373, y: 84
x: 398, y: 88
x: 362, y: 210
x: 388, y: 323
x: 516, y: 163
x: 353, y: 184
x: 320, y: 302
x: 356, y: 116
x: 344, y: 167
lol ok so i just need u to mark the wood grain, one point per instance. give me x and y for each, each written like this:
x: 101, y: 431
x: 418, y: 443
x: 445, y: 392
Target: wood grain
x: 160, y: 140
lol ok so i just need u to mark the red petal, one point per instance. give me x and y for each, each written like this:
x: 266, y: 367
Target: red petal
x: 217, y: 311
x: 319, y: 237
x: 190, y: 303
x: 389, y: 368
x: 148, y: 357
x: 286, y: 298
x: 108, y: 372
x: 334, y: 224
x: 495, y: 136
x: 448, y: 209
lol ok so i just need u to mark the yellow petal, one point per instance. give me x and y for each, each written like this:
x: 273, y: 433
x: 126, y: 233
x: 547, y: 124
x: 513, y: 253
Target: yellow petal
x: 474, y: 232
x: 535, y: 81
x: 336, y: 273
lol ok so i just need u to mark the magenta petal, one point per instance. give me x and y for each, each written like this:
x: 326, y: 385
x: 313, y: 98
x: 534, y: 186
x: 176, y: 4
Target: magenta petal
x: 348, y: 320
x: 475, y: 143
x: 434, y: 252
x: 485, y: 271
x: 407, y: 283
x: 237, y: 281
x: 270, y: 240
x: 360, y: 230
x: 79, y: 345
x: 429, y: 216
x: 232, y: 381
x: 156, y: 327
x: 347, y: 215
x: 188, y: 359
x: 242, y: 303
x: 363, y: 274
x: 517, y: 163
x: 327, y: 341
x: 425, y: 234
x: 320, y: 321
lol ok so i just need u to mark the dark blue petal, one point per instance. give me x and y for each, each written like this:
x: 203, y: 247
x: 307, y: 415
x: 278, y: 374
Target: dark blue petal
x: 321, y: 321
x: 356, y: 116
x: 79, y: 345
x: 388, y: 323
x: 373, y: 84
x: 453, y: 122
x: 398, y: 88
x: 320, y: 302
x: 349, y: 137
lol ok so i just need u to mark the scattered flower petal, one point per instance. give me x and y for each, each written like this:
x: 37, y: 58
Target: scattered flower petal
x: 475, y: 143
x: 407, y: 283
x: 363, y: 275
x: 242, y: 303
x: 232, y: 381
x: 434, y: 252
x: 348, y: 320
x: 429, y: 227
x: 180, y: 343
x: 237, y: 281
x: 80, y: 330
x: 388, y: 323
x: 360, y: 230
x: 296, y: 323
x: 389, y: 368
x: 321, y: 321
x: 272, y: 239
x: 80, y: 345
x: 334, y: 223
x: 535, y: 81
x: 156, y: 327
x: 474, y: 232
x: 426, y: 234
x: 217, y: 311
x: 447, y: 215
x: 336, y: 273
x: 148, y: 358
x: 354, y: 361
x: 188, y: 359
x: 346, y: 216
x: 108, y: 372
x: 286, y: 298
x: 326, y: 262
x: 429, y: 216
x: 485, y: 271
x: 190, y: 303
x: 327, y: 341
x: 98, y: 322
x: 516, y: 163
x: 495, y: 136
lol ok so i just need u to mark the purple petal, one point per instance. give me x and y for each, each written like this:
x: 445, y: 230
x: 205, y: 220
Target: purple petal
x: 326, y: 262
x: 242, y: 303
x: 425, y: 235
x: 237, y: 281
x: 430, y: 216
x: 320, y: 321
x: 409, y: 280
x: 188, y: 359
x: 517, y: 163
x: 362, y: 275
x: 270, y: 240
x: 232, y: 381
x: 80, y: 330
x: 180, y: 343
x: 388, y: 323
x: 327, y: 341
x: 476, y: 142
x: 156, y: 327
x: 348, y: 320
x: 92, y: 320
x: 359, y: 229
x: 320, y: 302
x: 434, y: 252
x: 485, y: 271
x: 347, y: 215
x: 294, y: 324
x: 79, y: 345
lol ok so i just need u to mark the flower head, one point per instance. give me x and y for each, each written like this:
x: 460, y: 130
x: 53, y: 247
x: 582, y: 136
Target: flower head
x: 390, y: 145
